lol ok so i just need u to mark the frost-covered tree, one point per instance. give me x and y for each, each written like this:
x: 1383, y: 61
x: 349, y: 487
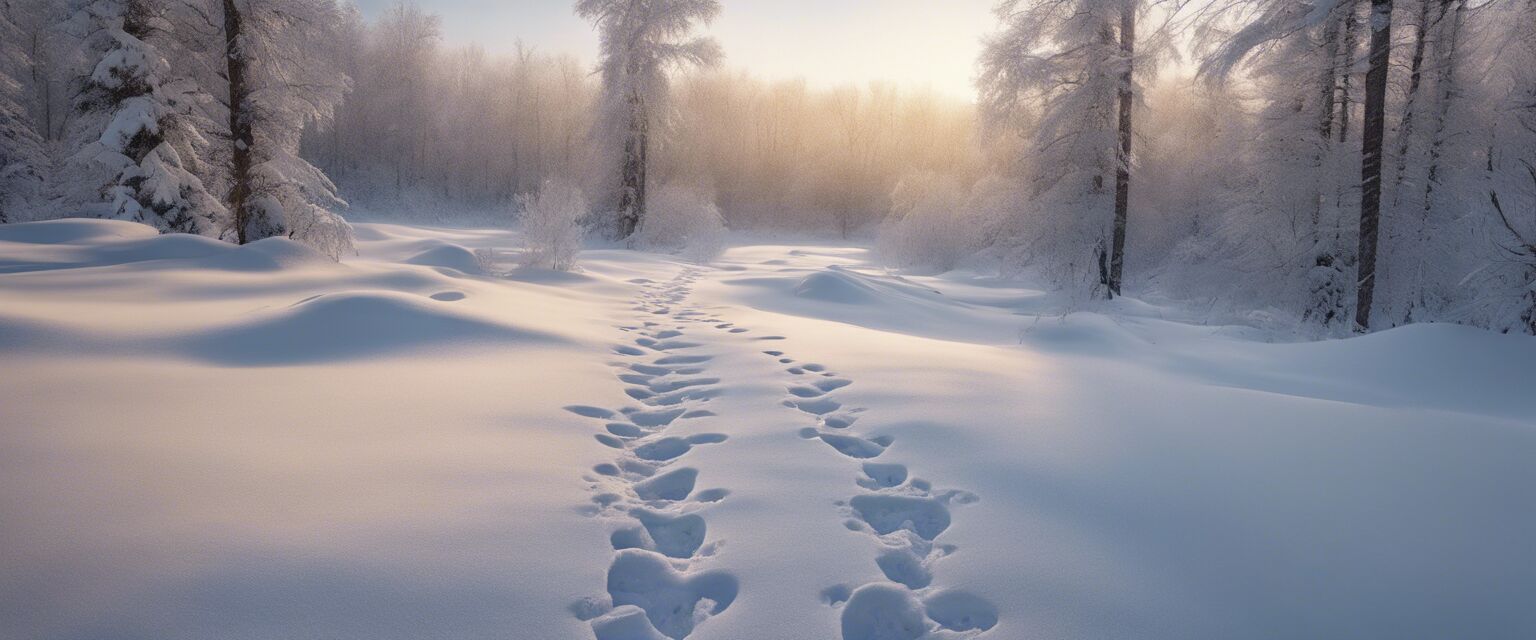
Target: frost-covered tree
x: 1296, y: 228
x: 1075, y: 63
x: 23, y: 158
x: 1439, y: 147
x: 1510, y: 171
x: 271, y: 73
x: 641, y: 42
x: 137, y: 137
x: 398, y: 98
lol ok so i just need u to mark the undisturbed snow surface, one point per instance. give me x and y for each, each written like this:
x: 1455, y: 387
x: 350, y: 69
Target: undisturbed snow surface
x: 199, y: 440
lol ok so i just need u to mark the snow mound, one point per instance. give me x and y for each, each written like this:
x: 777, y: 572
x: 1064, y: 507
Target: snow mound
x: 80, y: 243
x: 888, y: 303
x: 74, y: 231
x: 836, y: 285
x: 843, y: 286
x: 448, y: 256
x: 1082, y: 333
x: 106, y: 252
x: 267, y: 254
x: 1472, y: 370
x: 173, y: 246
x: 24, y: 335
x: 350, y: 326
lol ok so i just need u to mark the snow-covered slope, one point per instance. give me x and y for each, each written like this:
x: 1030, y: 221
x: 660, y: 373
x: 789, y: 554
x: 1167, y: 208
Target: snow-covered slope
x: 199, y: 440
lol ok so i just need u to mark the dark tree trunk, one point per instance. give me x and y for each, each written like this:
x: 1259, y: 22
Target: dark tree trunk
x: 1445, y: 88
x: 241, y: 137
x: 1123, y: 166
x: 636, y: 143
x: 1410, y: 101
x: 1370, y: 163
x: 1346, y: 66
x: 1328, y: 89
x: 1329, y: 83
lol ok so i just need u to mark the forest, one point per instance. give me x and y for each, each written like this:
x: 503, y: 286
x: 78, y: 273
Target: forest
x: 718, y: 320
x: 1334, y: 164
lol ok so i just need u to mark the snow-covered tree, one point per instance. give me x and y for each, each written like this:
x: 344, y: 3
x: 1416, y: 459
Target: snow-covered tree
x: 1433, y: 236
x: 270, y: 70
x: 23, y: 159
x: 1074, y: 63
x: 1509, y: 277
x: 1296, y: 229
x: 641, y: 42
x: 138, y: 136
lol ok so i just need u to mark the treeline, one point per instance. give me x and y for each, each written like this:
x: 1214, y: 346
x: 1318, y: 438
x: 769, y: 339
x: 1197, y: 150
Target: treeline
x: 1338, y: 163
x: 409, y: 123
x: 1334, y: 164
x: 427, y: 127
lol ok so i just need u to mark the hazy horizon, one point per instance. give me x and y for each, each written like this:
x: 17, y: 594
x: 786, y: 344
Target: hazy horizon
x: 912, y: 43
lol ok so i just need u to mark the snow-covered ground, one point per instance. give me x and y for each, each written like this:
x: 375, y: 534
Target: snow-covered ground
x: 204, y: 441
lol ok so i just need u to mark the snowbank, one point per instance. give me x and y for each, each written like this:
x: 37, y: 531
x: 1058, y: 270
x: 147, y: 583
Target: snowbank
x: 199, y: 440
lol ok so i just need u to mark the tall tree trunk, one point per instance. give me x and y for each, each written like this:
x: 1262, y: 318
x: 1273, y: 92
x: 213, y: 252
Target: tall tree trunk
x: 242, y: 139
x: 1370, y: 158
x: 636, y: 141
x: 1329, y: 83
x: 1328, y: 88
x: 1123, y: 166
x: 1415, y: 75
x: 1346, y: 66
x: 1445, y: 89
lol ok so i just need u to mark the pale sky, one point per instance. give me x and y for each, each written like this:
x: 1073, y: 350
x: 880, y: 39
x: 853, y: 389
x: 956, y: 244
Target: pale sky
x: 914, y: 43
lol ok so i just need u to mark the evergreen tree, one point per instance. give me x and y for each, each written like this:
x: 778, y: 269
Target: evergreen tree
x: 272, y: 73
x: 23, y: 157
x: 137, y: 131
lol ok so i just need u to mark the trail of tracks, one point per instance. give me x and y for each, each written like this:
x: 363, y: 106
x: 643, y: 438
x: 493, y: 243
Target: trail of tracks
x: 903, y: 515
x: 657, y: 581
x: 654, y: 583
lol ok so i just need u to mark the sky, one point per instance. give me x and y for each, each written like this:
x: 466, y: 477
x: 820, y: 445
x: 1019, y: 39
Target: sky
x: 914, y: 43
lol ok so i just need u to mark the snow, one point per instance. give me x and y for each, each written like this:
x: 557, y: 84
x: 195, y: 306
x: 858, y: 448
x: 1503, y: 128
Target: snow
x: 448, y: 256
x: 202, y: 440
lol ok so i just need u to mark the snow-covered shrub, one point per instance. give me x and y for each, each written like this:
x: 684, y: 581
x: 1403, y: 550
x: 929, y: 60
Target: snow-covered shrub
x: 552, y: 225
x: 293, y: 199
x: 932, y: 224
x: 486, y: 259
x: 684, y: 221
